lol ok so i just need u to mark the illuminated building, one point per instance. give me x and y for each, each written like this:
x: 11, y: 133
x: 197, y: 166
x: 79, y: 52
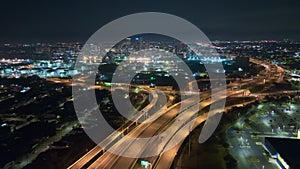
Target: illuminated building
x: 285, y: 151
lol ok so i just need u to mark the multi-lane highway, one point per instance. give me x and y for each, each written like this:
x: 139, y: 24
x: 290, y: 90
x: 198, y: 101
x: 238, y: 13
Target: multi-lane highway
x: 162, y: 120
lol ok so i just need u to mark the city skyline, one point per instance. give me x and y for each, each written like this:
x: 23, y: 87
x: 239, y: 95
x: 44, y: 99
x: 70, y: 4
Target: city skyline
x: 149, y: 84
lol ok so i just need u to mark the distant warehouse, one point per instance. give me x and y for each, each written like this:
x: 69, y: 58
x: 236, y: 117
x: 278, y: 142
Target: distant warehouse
x: 285, y: 151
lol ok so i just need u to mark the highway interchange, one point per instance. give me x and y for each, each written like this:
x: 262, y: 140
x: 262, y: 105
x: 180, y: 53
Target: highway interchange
x: 159, y: 123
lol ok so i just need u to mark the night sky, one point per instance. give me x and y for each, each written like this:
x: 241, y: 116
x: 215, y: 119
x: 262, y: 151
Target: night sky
x: 74, y: 20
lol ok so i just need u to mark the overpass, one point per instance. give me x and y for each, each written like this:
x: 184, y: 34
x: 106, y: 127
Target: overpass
x: 162, y: 120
